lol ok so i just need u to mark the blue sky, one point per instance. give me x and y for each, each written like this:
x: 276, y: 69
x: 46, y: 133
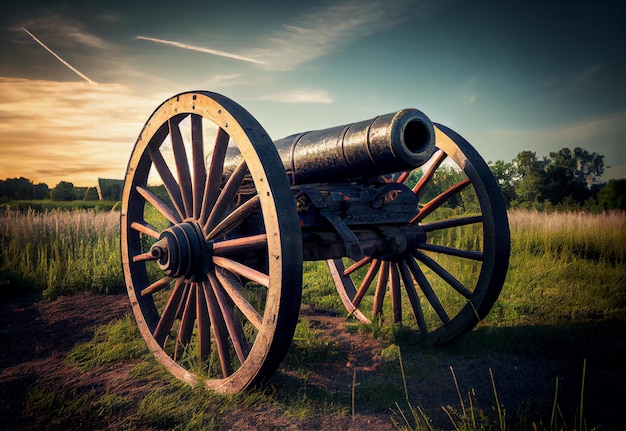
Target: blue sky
x: 507, y: 75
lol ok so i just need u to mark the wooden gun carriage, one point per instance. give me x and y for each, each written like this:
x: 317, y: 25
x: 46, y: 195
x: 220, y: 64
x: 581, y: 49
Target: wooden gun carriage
x: 217, y: 220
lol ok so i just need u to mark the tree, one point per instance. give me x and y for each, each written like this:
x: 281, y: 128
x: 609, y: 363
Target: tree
x: 565, y: 178
x: 570, y: 174
x: 528, y: 175
x: 64, y: 191
x: 41, y: 191
x: 586, y: 167
x: 16, y: 188
x: 503, y: 172
x: 613, y: 195
x: 560, y: 183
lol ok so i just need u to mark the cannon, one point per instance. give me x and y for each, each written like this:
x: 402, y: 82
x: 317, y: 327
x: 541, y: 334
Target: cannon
x: 217, y: 220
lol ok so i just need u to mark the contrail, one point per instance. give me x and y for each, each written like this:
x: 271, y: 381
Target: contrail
x: 200, y: 49
x: 73, y: 69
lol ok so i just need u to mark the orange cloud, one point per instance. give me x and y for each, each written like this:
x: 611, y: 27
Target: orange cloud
x: 72, y: 131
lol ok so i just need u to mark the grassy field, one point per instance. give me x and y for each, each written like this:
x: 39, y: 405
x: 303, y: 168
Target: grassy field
x: 60, y: 252
x: 564, y: 302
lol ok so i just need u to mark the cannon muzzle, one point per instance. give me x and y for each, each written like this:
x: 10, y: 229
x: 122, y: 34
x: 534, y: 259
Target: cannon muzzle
x: 386, y: 144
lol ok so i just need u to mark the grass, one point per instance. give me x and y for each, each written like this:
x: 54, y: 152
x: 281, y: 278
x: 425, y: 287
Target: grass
x: 164, y: 402
x: 117, y: 341
x: 469, y: 416
x: 60, y: 252
x: 565, y: 267
x: 564, y: 300
x: 43, y: 205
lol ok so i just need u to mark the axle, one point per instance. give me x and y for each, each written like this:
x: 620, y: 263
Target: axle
x: 379, y: 242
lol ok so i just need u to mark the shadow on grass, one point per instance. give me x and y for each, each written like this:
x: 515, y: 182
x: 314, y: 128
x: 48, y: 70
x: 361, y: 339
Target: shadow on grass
x: 527, y: 361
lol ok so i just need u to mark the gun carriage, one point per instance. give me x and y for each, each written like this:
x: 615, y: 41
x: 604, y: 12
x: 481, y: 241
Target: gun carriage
x: 217, y: 220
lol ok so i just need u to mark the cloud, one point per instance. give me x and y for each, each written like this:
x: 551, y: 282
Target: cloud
x: 325, y: 30
x: 72, y: 68
x: 298, y: 96
x: 588, y: 75
x: 52, y: 131
x: 63, y: 32
x: 199, y: 49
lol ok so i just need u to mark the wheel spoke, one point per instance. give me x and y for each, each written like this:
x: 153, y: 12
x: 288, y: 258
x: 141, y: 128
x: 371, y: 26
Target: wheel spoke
x: 181, y: 304
x: 159, y: 205
x: 413, y: 297
x: 231, y: 285
x: 186, y: 323
x: 437, y: 159
x: 357, y: 265
x: 216, y: 170
x: 204, y: 326
x: 235, y: 218
x: 168, y: 180
x: 240, y: 245
x: 144, y: 257
x: 428, y: 291
x: 232, y: 325
x: 436, y: 202
x: 197, y: 155
x: 219, y: 330
x: 145, y: 228
x: 381, y: 288
x: 367, y: 281
x: 157, y: 286
x: 225, y: 198
x: 242, y: 270
x: 169, y: 312
x: 441, y: 272
x: 396, y: 300
x: 182, y: 167
x: 345, y: 288
x: 467, y: 254
x: 451, y: 222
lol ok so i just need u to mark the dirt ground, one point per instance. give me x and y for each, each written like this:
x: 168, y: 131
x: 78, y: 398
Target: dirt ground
x: 36, y: 335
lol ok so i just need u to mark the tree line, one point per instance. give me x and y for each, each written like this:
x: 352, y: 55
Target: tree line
x: 566, y: 180
x: 24, y: 189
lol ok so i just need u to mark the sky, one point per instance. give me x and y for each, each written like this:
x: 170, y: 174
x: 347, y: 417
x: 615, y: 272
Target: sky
x: 78, y: 79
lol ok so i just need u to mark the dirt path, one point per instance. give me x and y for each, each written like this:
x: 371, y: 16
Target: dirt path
x: 35, y: 337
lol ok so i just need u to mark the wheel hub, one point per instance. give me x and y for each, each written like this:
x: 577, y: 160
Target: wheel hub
x: 183, y: 251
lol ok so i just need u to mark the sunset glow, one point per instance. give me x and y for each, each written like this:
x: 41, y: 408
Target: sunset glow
x: 77, y: 85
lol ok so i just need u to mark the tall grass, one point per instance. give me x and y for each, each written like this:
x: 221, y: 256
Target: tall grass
x: 564, y: 267
x: 570, y: 235
x: 60, y: 252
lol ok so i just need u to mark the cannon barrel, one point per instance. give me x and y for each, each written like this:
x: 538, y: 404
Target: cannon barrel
x: 390, y: 143
x: 385, y: 144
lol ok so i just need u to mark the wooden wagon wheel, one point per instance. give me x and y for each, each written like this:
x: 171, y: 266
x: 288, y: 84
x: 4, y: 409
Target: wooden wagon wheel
x: 211, y: 250
x: 454, y: 275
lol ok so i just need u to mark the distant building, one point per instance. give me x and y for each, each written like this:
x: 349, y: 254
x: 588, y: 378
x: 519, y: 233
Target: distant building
x: 110, y: 190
